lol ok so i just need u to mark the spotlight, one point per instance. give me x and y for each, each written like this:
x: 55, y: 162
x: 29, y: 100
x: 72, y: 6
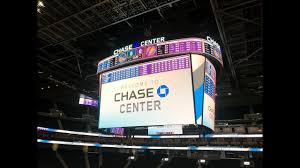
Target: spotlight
x: 42, y: 88
x: 246, y: 163
x: 201, y: 161
x: 40, y: 4
x: 165, y: 159
x: 131, y: 157
x: 229, y: 94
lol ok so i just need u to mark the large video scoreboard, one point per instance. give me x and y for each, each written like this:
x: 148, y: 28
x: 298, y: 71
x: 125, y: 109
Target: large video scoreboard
x: 170, y: 83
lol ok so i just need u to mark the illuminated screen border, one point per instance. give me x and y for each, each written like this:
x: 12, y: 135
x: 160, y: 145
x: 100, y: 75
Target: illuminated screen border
x: 150, y: 61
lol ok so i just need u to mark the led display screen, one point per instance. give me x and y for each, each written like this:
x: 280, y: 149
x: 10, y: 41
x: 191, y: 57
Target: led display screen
x: 85, y: 100
x: 198, y: 63
x: 180, y: 46
x: 165, y: 130
x: 209, y: 95
x: 153, y: 93
x: 117, y: 131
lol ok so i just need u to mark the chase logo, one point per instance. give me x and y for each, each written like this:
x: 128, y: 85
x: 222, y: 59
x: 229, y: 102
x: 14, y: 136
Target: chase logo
x: 135, y: 44
x: 162, y: 91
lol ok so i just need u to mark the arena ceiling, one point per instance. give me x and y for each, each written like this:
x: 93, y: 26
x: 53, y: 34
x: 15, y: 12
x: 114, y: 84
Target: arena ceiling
x: 74, y: 35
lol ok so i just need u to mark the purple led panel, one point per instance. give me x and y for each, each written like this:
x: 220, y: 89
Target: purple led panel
x: 182, y: 47
x: 173, y: 48
x: 89, y: 102
x: 117, y: 131
x: 176, y: 63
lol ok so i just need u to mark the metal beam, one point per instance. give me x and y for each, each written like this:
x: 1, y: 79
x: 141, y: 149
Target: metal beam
x: 86, y: 160
x: 49, y: 37
x: 54, y: 72
x: 66, y: 8
x: 100, y: 164
x: 50, y: 12
x: 67, y: 27
x: 238, y: 5
x: 129, y: 24
x: 59, y: 124
x: 60, y: 59
x: 45, y: 59
x: 118, y: 6
x: 240, y: 18
x: 247, y: 65
x: 243, y: 42
x: 246, y: 58
x: 71, y: 49
x: 161, y: 15
x: 103, y: 20
x: 224, y: 41
x: 57, y: 35
x: 194, y: 1
x: 88, y: 76
x: 74, y: 14
x: 78, y: 65
x: 63, y: 117
x: 61, y: 160
x: 128, y: 163
x: 82, y: 22
x: 144, y: 6
x: 117, y: 22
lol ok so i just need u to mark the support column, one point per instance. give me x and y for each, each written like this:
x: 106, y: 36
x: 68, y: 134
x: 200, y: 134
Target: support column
x: 61, y: 160
x: 100, y: 164
x: 88, y: 121
x: 60, y: 124
x: 58, y: 156
x: 58, y: 119
x: 86, y: 156
x: 127, y: 164
x: 251, y: 110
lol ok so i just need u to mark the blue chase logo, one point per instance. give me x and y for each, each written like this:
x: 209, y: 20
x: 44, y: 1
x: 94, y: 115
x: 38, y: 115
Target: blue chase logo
x: 162, y: 91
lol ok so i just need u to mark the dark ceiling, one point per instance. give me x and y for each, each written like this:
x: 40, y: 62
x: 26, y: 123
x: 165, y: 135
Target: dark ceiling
x: 74, y: 35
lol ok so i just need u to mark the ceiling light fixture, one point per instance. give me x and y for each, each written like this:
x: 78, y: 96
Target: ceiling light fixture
x: 246, y: 163
x: 40, y: 4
